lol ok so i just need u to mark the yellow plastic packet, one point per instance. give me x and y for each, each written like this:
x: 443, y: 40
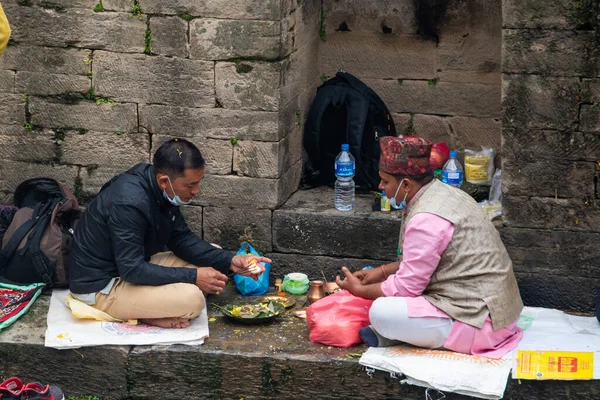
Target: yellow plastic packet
x: 554, y: 365
x: 479, y: 166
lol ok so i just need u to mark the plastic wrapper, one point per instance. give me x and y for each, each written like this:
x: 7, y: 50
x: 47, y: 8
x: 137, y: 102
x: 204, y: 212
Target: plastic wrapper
x: 493, y: 206
x: 496, y: 189
x: 479, y: 166
x: 337, y: 319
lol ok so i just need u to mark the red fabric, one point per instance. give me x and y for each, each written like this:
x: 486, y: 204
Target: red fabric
x: 13, y: 301
x: 408, y: 155
x: 440, y: 153
x: 336, y: 319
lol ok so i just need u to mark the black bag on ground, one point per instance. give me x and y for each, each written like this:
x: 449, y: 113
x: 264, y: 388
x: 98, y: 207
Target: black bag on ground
x: 345, y: 110
x: 36, y: 245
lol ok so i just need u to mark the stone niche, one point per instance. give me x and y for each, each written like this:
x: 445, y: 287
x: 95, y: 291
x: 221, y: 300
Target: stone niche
x: 436, y: 64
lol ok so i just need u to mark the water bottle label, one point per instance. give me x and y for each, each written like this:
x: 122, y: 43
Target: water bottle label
x: 452, y: 178
x: 344, y: 170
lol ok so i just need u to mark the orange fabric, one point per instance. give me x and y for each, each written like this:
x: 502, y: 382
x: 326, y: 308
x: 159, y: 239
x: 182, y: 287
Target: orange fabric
x: 4, y: 30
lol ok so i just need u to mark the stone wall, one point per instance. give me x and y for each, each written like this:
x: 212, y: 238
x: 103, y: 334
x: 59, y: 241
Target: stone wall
x: 89, y: 90
x: 442, y: 83
x: 550, y: 127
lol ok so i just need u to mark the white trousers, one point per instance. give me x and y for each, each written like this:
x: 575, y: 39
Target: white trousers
x: 389, y: 317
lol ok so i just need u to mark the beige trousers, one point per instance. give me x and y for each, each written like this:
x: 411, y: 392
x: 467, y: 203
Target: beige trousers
x: 130, y: 301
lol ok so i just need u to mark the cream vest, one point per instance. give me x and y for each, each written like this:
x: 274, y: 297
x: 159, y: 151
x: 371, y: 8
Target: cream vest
x: 475, y: 275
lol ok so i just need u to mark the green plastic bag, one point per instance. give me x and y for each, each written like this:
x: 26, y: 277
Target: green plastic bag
x: 295, y: 283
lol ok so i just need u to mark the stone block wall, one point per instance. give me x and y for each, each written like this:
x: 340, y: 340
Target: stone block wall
x: 551, y: 151
x: 443, y: 84
x: 89, y: 89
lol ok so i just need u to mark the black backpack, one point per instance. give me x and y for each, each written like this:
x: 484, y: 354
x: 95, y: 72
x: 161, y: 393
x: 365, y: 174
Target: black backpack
x: 6, y: 215
x: 345, y: 110
x: 37, y: 243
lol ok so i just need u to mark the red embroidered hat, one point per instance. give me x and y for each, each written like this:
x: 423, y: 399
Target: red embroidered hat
x: 408, y: 155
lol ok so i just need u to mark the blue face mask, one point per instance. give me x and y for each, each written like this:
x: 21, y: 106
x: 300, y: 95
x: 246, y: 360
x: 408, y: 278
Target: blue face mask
x: 176, y: 201
x: 392, y: 201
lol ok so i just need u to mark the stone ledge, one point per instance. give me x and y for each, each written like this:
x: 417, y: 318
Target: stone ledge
x: 274, y: 361
x: 308, y: 223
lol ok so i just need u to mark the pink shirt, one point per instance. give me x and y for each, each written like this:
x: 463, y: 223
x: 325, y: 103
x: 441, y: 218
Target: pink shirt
x: 425, y: 239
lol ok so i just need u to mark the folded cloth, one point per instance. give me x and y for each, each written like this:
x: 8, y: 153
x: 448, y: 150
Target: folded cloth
x: 15, y: 301
x: 81, y: 310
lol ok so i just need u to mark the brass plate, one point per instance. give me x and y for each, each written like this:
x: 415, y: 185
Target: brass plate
x: 286, y: 301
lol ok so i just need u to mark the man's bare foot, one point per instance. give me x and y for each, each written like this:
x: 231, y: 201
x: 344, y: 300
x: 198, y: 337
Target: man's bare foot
x: 175, y: 323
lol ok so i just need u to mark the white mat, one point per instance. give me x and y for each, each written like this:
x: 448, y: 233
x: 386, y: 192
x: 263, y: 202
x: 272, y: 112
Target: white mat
x: 67, y: 332
x: 476, y: 376
x: 544, y: 329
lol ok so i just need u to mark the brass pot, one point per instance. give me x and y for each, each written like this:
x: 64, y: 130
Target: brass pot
x: 316, y: 291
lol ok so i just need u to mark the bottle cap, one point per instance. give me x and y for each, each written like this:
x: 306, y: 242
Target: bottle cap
x: 345, y: 147
x: 383, y: 193
x: 453, y: 154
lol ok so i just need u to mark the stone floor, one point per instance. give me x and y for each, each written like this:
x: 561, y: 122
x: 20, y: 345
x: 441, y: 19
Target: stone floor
x: 273, y: 361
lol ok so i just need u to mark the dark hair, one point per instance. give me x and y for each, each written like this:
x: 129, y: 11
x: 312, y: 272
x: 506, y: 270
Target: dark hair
x: 174, y: 156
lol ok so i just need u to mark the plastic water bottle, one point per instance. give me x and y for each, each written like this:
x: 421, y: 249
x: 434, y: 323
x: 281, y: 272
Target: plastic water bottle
x: 452, y: 173
x: 344, y: 185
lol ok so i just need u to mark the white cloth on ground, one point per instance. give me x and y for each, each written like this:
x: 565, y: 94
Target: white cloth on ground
x: 67, y: 332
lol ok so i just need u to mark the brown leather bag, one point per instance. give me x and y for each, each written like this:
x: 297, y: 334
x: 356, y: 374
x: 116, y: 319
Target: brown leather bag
x: 37, y: 243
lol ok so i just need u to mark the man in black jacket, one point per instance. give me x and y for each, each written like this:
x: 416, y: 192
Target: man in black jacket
x: 119, y: 264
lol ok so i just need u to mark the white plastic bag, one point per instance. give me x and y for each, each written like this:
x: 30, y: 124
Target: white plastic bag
x: 493, y: 206
x: 496, y: 189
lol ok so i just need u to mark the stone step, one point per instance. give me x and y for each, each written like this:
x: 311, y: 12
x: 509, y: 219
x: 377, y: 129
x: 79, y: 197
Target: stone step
x: 309, y: 224
x: 316, y: 267
x: 273, y: 361
x: 309, y: 235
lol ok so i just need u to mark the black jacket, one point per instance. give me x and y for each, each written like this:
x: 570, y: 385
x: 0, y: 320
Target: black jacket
x: 127, y: 223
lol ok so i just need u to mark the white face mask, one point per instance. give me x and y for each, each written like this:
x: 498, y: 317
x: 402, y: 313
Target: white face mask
x: 393, y: 199
x: 176, y: 201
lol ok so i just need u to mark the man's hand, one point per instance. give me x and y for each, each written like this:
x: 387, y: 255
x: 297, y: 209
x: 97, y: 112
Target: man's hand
x: 357, y: 288
x: 369, y: 276
x: 249, y: 265
x: 351, y: 283
x: 209, y: 280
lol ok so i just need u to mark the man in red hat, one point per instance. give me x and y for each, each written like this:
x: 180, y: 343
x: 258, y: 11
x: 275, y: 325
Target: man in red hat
x: 453, y: 284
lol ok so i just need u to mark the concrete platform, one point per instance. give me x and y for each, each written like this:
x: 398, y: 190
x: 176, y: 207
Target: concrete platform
x: 273, y: 361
